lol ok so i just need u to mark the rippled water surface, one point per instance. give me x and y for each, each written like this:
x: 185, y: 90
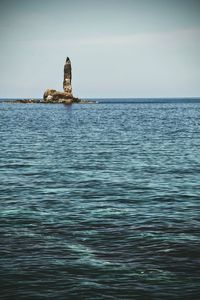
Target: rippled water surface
x: 100, y: 201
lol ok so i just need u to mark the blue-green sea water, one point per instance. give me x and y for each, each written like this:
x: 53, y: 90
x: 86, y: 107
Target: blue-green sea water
x: 100, y: 201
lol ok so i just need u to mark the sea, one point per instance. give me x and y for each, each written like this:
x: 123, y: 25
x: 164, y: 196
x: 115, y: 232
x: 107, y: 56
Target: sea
x: 100, y: 201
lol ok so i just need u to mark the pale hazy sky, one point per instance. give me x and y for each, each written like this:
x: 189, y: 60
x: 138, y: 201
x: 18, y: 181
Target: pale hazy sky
x: 118, y: 48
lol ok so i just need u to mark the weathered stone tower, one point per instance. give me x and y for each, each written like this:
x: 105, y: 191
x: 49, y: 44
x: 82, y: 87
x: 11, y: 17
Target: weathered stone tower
x: 67, y: 86
x: 53, y: 96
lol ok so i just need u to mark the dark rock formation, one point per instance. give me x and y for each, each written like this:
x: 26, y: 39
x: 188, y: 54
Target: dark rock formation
x: 53, y: 96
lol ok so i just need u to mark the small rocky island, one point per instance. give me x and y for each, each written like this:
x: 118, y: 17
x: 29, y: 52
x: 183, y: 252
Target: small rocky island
x: 53, y: 96
x: 66, y: 97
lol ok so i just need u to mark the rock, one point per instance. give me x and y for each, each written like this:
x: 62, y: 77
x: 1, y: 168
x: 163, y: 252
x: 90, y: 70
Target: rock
x: 53, y: 96
x: 48, y: 95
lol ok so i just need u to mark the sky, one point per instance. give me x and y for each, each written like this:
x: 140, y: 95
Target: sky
x: 118, y: 48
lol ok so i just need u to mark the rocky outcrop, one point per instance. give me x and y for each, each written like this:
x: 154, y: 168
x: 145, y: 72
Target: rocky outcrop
x: 53, y: 96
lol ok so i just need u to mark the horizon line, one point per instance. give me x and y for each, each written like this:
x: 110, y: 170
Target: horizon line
x: 161, y: 97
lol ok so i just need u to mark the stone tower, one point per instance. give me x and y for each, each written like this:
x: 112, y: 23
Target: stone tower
x: 67, y: 78
x: 66, y: 97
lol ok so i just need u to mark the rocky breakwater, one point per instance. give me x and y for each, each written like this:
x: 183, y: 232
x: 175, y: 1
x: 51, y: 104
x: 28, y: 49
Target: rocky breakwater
x: 66, y: 97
